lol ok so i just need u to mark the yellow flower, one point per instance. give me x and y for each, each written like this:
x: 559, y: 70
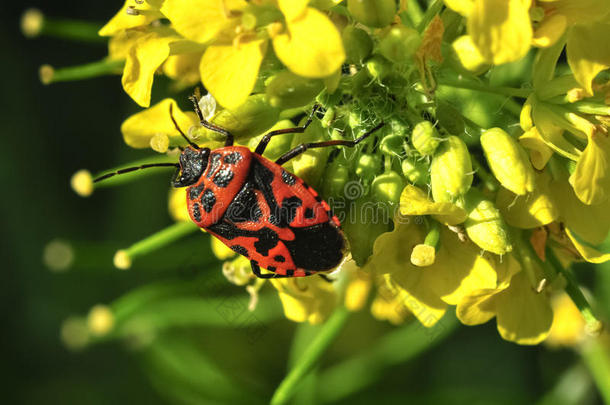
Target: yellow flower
x: 306, y: 299
x: 458, y: 269
x: 500, y: 29
x: 227, y: 39
x: 591, y: 179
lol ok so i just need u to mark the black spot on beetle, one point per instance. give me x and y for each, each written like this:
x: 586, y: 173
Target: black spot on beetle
x: 309, y: 214
x: 196, y: 212
x: 214, y: 163
x: 208, y: 199
x: 195, y: 191
x: 240, y: 250
x: 272, y: 268
x: 232, y: 158
x: 267, y: 239
x: 288, y: 178
x: 223, y: 177
x: 279, y: 258
x: 290, y: 273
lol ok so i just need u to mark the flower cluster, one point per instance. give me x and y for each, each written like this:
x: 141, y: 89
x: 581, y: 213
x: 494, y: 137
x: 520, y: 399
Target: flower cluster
x: 490, y: 177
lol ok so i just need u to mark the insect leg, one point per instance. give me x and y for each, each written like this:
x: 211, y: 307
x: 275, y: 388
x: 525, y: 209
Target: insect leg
x: 304, y: 146
x: 263, y: 143
x: 208, y: 125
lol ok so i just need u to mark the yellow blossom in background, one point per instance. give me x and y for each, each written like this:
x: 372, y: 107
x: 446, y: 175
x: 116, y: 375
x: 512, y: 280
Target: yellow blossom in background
x: 568, y: 327
x: 307, y: 299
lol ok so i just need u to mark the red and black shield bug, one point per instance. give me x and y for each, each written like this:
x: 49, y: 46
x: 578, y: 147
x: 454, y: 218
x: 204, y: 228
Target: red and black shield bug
x: 257, y: 208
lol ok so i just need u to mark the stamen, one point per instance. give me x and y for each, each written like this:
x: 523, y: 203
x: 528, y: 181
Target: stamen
x: 100, y: 320
x: 123, y: 258
x: 49, y: 75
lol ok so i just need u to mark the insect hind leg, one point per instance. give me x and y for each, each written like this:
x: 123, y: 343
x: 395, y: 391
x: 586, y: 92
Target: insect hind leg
x: 265, y: 141
x: 304, y: 146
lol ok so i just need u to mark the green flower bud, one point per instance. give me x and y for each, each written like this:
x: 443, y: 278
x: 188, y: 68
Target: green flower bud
x: 251, y: 118
x: 288, y: 90
x: 357, y: 43
x: 378, y: 67
x: 335, y: 178
x: 368, y: 165
x: 400, y: 44
x: 508, y: 161
x: 451, y: 170
x: 398, y: 127
x: 392, y: 145
x: 374, y: 13
x: 387, y: 187
x: 425, y: 138
x: 485, y: 225
x: 329, y: 100
x: 278, y: 145
x: 417, y: 172
x: 310, y: 166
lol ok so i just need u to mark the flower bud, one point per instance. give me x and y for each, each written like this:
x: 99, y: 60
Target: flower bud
x: 400, y: 44
x: 335, y: 178
x: 252, y: 117
x: 451, y: 170
x: 417, y: 172
x: 425, y: 138
x: 392, y: 145
x: 378, y: 67
x: 368, y: 165
x: 508, y: 161
x: 374, y: 13
x: 485, y: 225
x: 358, y: 45
x: 288, y: 90
x: 387, y: 187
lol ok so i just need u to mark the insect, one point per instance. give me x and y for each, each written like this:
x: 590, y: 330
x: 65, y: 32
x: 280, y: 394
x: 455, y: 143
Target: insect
x: 256, y: 207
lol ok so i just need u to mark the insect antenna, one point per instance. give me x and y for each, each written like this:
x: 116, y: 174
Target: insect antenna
x: 134, y: 168
x: 171, y: 115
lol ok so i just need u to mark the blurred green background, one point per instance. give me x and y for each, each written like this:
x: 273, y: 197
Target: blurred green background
x: 48, y: 133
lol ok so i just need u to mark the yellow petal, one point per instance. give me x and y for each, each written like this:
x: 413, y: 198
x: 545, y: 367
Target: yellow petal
x: 413, y: 201
x: 540, y: 153
x: 530, y: 211
x: 591, y: 179
x: 143, y: 60
x: 120, y: 43
x: 550, y: 30
x: 469, y: 55
x: 464, y: 7
x: 310, y: 299
x: 358, y: 287
x: 139, y: 129
x: 589, y: 253
x: 311, y: 45
x: 523, y: 315
x: 501, y: 29
x: 229, y: 72
x: 477, y: 308
x: 141, y: 14
x: 292, y: 9
x: 588, y: 52
x: 387, y: 307
x: 222, y: 251
x: 590, y: 222
x: 201, y: 20
x: 580, y: 11
x: 177, y: 205
x: 552, y: 134
x: 183, y: 68
x: 568, y: 328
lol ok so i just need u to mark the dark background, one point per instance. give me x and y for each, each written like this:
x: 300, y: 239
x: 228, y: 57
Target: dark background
x: 48, y: 133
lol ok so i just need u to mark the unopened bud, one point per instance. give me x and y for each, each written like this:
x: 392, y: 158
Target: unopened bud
x: 400, y: 44
x: 451, y: 170
x: 485, y: 226
x: 425, y: 138
x: 374, y: 13
x: 508, y: 161
x: 288, y: 90
x: 358, y: 44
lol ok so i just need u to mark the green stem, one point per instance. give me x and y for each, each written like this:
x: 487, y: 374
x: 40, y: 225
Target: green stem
x: 172, y: 233
x: 597, y: 359
x: 431, y: 12
x: 365, y: 368
x: 575, y: 293
x: 49, y: 75
x: 310, y: 357
x: 415, y: 12
x: 503, y: 90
